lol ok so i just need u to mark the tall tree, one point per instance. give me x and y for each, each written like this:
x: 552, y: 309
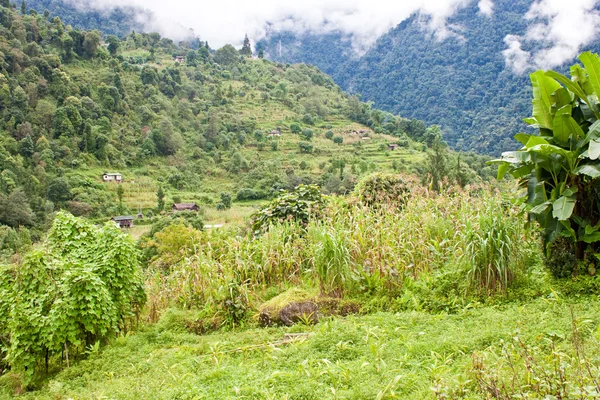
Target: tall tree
x: 160, y: 198
x: 246, y: 48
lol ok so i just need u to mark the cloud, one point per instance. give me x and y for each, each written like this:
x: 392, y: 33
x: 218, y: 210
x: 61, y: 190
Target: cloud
x: 227, y: 21
x: 486, y: 7
x: 558, y: 28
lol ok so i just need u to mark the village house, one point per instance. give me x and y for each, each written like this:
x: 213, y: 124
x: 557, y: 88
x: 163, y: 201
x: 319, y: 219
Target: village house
x: 179, y: 59
x: 392, y: 146
x: 123, y: 221
x: 176, y: 207
x: 112, y: 177
x: 273, y: 133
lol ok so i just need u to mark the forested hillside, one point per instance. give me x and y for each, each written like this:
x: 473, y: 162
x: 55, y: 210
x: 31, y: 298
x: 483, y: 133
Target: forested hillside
x: 461, y: 83
x: 119, y: 21
x: 74, y: 105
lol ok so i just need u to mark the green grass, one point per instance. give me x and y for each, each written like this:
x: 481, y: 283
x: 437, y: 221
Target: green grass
x: 404, y: 355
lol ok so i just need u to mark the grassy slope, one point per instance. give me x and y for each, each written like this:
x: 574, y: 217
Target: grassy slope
x: 141, y: 182
x: 399, y: 355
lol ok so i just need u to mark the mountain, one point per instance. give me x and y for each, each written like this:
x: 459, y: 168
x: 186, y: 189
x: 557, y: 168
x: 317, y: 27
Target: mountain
x: 460, y: 83
x: 194, y: 122
x: 119, y: 21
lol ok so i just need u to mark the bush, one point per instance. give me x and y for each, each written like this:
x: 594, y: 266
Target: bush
x: 338, y: 140
x: 249, y: 194
x: 329, y: 135
x: 381, y: 189
x: 305, y: 147
x: 305, y: 202
x: 83, y: 285
x: 560, y: 258
x: 307, y: 134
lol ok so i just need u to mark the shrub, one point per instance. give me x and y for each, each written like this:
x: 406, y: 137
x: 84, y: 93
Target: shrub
x: 307, y: 134
x: 329, y: 135
x: 381, y: 189
x: 305, y: 147
x: 560, y: 258
x: 81, y: 286
x: 304, y: 202
x: 338, y: 140
x: 249, y: 194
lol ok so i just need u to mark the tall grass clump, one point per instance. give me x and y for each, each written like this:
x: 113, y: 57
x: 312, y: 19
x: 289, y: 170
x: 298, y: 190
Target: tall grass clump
x: 331, y: 257
x: 493, y: 249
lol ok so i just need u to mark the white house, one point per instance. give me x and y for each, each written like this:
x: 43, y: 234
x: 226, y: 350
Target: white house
x: 112, y: 177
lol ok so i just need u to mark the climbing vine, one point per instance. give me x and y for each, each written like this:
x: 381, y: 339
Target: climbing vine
x: 82, y: 285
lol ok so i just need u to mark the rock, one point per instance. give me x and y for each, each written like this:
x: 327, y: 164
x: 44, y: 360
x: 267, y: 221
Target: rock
x: 297, y: 312
x: 297, y: 305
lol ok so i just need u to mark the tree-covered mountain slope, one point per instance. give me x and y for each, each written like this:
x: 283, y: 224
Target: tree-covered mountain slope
x: 461, y: 82
x: 73, y: 106
x: 119, y: 21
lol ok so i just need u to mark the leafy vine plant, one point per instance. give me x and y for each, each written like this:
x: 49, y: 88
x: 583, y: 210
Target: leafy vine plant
x: 82, y: 285
x: 560, y: 165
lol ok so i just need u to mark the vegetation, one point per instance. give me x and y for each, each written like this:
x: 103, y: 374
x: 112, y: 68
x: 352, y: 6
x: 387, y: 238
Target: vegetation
x: 377, y: 265
x: 74, y: 106
x: 411, y: 72
x: 559, y: 166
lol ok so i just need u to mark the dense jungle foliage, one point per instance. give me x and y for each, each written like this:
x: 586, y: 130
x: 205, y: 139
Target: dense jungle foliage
x: 460, y: 83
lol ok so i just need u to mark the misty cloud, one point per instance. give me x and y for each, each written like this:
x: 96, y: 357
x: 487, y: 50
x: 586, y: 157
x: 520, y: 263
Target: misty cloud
x: 486, y: 7
x: 561, y: 28
x: 227, y: 21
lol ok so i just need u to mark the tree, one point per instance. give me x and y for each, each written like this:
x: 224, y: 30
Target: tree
x: 246, y: 48
x: 120, y: 192
x: 160, y: 199
x: 305, y: 147
x: 338, y: 140
x: 59, y: 191
x: 227, y: 56
x: 23, y: 7
x: 226, y: 200
x: 560, y: 166
x: 295, y: 127
x: 113, y: 44
x: 15, y: 210
x: 329, y: 135
x: 91, y: 42
x: 261, y: 53
x: 307, y: 134
x: 436, y: 167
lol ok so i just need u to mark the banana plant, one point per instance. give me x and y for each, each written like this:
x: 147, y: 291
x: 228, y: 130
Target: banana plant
x: 560, y: 165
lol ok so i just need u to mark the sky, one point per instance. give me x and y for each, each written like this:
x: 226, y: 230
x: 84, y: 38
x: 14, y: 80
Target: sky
x: 559, y: 27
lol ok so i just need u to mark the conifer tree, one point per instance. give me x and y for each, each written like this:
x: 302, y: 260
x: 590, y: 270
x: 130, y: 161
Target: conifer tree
x: 246, y: 48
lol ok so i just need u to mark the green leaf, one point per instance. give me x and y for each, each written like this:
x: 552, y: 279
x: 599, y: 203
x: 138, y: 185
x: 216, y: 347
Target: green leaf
x: 563, y: 207
x: 522, y: 138
x: 592, y: 66
x: 592, y: 171
x: 594, y: 149
x: 502, y: 170
x: 534, y: 141
x: 565, y: 126
x: 570, y: 85
x: 543, y: 87
x: 540, y: 208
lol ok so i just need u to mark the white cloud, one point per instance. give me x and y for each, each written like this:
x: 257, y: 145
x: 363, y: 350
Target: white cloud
x: 514, y: 55
x: 226, y: 21
x: 559, y: 27
x: 486, y: 7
